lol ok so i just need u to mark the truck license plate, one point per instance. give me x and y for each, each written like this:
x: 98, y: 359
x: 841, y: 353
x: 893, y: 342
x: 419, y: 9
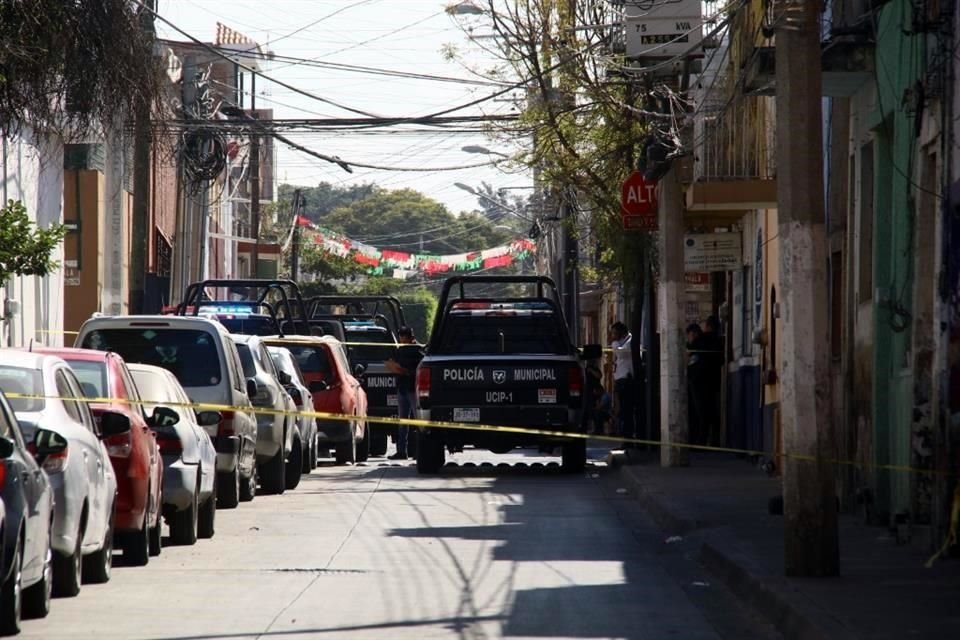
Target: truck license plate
x: 392, y: 400
x: 547, y: 396
x: 466, y: 415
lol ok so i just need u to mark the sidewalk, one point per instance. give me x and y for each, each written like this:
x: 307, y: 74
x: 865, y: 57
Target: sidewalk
x: 719, y: 505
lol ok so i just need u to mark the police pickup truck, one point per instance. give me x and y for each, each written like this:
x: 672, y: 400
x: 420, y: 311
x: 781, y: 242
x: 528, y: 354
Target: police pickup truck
x: 504, y: 360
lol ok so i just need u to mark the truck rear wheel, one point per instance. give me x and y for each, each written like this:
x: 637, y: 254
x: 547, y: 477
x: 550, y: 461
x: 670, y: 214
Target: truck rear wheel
x: 574, y: 456
x: 430, y: 454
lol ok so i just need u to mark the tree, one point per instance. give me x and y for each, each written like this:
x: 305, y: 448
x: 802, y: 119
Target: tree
x: 25, y: 250
x: 68, y: 66
x: 325, y: 197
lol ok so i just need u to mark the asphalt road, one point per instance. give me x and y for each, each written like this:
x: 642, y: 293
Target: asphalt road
x: 377, y: 551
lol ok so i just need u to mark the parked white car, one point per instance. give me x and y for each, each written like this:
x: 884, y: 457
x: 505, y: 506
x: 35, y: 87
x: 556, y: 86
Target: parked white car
x: 67, y: 442
x: 189, y: 457
x: 296, y: 386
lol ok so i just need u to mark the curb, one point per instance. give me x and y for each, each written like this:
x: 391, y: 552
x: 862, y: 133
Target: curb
x: 772, y: 597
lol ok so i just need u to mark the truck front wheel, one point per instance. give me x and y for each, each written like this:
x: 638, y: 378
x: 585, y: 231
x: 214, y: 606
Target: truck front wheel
x: 574, y: 456
x: 430, y: 454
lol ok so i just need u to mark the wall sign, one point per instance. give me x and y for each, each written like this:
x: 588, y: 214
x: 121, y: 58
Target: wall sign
x: 712, y: 252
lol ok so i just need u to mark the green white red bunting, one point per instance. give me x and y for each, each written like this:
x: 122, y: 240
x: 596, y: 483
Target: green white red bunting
x: 404, y: 265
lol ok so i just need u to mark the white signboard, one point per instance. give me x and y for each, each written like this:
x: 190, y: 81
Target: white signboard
x: 712, y: 252
x: 663, y: 29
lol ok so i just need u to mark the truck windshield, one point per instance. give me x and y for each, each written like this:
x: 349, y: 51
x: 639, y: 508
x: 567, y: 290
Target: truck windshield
x: 501, y: 333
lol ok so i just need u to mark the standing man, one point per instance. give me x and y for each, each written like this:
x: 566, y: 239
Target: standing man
x: 623, y: 378
x: 404, y: 364
x: 712, y: 376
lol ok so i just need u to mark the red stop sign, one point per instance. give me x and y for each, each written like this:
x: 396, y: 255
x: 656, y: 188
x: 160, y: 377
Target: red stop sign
x: 638, y: 201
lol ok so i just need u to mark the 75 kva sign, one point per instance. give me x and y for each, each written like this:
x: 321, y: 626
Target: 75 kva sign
x: 638, y: 203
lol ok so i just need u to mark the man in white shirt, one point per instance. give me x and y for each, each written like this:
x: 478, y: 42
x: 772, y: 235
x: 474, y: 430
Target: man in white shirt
x: 623, y: 379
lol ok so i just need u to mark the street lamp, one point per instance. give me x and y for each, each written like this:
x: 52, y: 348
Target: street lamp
x: 465, y: 8
x: 474, y: 148
x: 474, y: 192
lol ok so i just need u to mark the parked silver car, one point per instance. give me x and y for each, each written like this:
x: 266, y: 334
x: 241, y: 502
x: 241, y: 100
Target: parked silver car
x: 279, y: 444
x: 69, y: 448
x: 189, y: 457
x: 296, y: 386
x: 204, y: 359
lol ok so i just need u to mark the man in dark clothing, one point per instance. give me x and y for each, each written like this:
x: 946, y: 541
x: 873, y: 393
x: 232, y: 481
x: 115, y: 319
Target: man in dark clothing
x: 695, y: 366
x: 712, y: 345
x: 404, y: 364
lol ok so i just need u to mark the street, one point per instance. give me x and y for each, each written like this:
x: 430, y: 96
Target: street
x: 376, y: 551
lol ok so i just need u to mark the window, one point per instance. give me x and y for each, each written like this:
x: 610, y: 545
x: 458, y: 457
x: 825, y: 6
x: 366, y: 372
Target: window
x: 369, y: 349
x: 76, y: 392
x: 25, y: 382
x: 6, y: 423
x: 312, y: 359
x: 92, y: 376
x: 234, y: 364
x: 189, y: 354
x: 865, y: 266
x: 246, y: 360
x: 72, y: 407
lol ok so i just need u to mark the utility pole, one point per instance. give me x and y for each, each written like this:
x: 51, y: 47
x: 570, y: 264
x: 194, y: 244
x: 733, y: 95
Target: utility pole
x: 255, y: 178
x: 295, y: 245
x: 139, y: 224
x: 571, y: 243
x: 674, y: 427
x: 809, y: 502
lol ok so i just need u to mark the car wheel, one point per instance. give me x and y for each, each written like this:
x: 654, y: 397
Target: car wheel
x: 11, y: 596
x: 363, y: 447
x: 183, y: 524
x: 306, y: 465
x: 228, y: 489
x: 379, y: 441
x: 136, y: 546
x: 208, y: 514
x: 272, y: 476
x: 294, y: 468
x: 156, y: 537
x: 574, y: 456
x: 99, y: 564
x: 346, y: 452
x: 248, y: 486
x: 315, y: 456
x: 68, y: 571
x: 430, y: 454
x: 36, y: 599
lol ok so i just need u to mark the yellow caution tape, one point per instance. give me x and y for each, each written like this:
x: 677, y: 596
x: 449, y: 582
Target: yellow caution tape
x: 472, y: 426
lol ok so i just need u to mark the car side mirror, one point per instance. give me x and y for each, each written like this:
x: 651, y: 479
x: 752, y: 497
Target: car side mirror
x: 284, y: 378
x: 252, y: 389
x: 592, y: 352
x: 318, y: 385
x: 114, y: 424
x: 164, y: 417
x: 7, y: 447
x: 208, y: 418
x: 359, y: 370
x: 47, y: 443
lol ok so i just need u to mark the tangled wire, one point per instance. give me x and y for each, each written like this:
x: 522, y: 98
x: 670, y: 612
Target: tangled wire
x: 203, y: 151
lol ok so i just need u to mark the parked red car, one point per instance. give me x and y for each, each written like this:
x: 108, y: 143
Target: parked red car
x: 135, y: 455
x: 326, y: 371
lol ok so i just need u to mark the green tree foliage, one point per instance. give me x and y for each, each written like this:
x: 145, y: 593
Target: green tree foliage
x: 320, y: 200
x: 24, y: 249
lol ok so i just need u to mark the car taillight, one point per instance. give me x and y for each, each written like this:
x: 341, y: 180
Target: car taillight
x: 575, y: 382
x: 423, y: 382
x: 55, y: 462
x: 3, y: 474
x: 226, y: 427
x: 119, y: 446
x: 169, y: 444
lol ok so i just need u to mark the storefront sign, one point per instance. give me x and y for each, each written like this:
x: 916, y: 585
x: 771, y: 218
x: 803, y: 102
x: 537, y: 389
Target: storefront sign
x: 712, y: 252
x: 697, y: 282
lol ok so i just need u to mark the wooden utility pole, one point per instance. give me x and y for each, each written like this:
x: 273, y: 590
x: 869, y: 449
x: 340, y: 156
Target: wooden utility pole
x: 674, y: 426
x: 295, y: 243
x: 810, y: 531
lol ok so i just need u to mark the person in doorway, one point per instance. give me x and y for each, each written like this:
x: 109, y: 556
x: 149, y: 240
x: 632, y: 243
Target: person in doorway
x: 623, y: 379
x: 694, y: 389
x: 712, y: 346
x: 404, y: 364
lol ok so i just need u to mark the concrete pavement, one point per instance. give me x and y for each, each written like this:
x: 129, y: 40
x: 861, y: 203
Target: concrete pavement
x: 377, y: 551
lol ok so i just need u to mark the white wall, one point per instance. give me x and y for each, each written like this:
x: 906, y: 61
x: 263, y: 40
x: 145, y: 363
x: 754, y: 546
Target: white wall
x: 32, y: 172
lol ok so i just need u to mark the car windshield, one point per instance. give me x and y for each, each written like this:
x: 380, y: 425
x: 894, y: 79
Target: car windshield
x: 24, y: 382
x: 92, y: 376
x: 249, y: 325
x: 246, y: 359
x: 311, y: 359
x: 189, y: 354
x: 365, y: 346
